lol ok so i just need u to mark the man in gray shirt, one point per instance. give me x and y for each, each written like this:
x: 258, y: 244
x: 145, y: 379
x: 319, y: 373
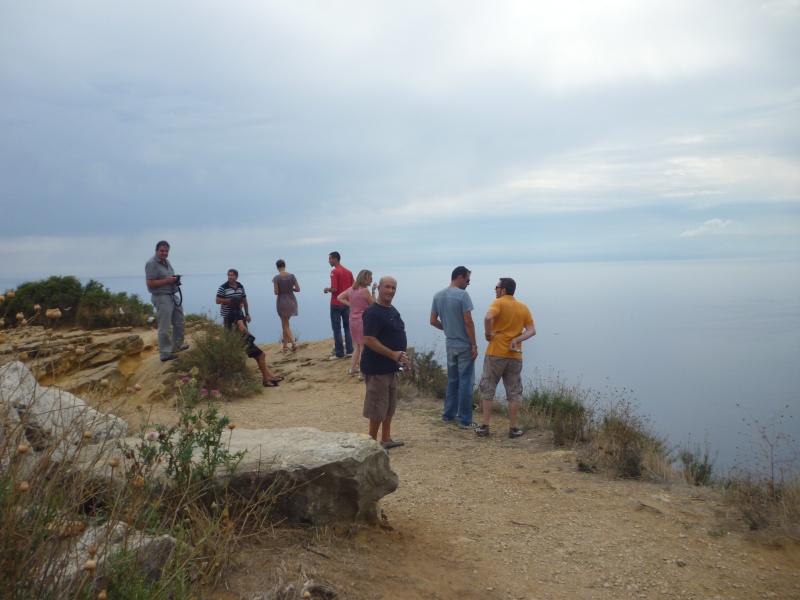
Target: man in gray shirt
x: 451, y: 312
x: 161, y: 283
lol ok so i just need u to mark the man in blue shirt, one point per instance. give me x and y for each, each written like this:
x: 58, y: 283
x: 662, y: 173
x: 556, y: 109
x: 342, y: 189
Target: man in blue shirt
x: 451, y: 312
x: 384, y: 355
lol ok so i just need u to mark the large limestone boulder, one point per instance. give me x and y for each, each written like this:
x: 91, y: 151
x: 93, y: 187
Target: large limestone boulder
x: 51, y: 420
x: 317, y: 477
x: 328, y: 477
x: 322, y: 477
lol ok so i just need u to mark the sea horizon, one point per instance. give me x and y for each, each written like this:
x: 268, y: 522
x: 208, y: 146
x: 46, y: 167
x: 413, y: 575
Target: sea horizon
x: 707, y: 350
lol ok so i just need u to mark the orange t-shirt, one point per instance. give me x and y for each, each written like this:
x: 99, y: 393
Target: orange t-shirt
x: 510, y: 318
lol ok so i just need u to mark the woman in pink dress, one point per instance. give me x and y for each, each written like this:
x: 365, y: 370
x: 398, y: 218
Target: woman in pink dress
x: 358, y: 298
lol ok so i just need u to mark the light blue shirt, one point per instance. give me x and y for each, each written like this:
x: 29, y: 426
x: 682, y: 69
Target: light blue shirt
x: 450, y: 304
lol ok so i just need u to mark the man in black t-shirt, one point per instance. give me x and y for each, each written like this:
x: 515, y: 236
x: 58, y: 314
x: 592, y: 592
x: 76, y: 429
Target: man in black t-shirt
x: 384, y: 355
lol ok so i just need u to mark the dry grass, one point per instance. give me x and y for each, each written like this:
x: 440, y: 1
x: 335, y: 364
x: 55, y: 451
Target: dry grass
x: 55, y: 485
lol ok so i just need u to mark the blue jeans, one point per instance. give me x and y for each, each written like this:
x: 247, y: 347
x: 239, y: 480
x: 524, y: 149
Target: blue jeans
x: 340, y: 318
x: 460, y: 381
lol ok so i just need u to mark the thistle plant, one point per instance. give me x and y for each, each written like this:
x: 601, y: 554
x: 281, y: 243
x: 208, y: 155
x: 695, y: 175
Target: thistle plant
x: 190, y: 451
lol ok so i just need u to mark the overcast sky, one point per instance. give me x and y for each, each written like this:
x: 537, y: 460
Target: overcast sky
x: 414, y: 132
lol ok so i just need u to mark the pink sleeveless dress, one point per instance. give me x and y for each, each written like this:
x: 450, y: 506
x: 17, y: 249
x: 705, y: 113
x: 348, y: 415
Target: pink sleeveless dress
x: 358, y: 304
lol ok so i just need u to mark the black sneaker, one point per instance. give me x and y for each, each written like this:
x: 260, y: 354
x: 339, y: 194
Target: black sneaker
x: 482, y: 431
x: 392, y: 444
x: 472, y: 425
x: 515, y: 432
x: 170, y: 357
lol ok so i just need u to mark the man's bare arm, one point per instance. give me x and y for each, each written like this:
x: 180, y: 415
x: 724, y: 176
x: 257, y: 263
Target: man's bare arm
x: 396, y: 355
x: 527, y: 333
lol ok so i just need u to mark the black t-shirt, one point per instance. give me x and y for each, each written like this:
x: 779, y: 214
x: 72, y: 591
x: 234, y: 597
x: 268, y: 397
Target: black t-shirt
x: 232, y: 317
x: 384, y: 324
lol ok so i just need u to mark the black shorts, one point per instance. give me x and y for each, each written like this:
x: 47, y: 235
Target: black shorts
x: 254, y: 351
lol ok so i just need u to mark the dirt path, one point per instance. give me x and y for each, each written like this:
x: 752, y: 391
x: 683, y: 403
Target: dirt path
x: 496, y: 518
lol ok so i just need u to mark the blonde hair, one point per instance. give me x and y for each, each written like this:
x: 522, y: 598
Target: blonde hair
x: 363, y: 279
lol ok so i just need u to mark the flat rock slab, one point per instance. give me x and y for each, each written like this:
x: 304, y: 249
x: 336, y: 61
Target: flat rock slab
x: 326, y: 477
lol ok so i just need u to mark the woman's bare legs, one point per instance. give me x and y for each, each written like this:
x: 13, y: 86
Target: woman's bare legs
x: 288, y: 336
x: 355, y: 358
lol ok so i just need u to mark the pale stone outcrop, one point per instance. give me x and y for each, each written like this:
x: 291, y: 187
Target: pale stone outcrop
x: 322, y: 477
x: 49, y: 418
x: 317, y: 477
x: 78, y: 360
x: 327, y: 477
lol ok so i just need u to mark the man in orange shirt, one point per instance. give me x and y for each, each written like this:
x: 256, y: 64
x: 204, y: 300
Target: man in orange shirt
x: 507, y: 324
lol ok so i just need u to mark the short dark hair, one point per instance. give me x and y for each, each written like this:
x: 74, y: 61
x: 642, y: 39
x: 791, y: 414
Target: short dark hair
x: 234, y: 271
x: 335, y: 255
x: 509, y: 285
x: 235, y: 302
x: 280, y: 263
x: 162, y: 243
x: 459, y: 272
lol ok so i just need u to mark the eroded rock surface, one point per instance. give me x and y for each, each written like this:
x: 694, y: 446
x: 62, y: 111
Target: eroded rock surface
x: 329, y: 477
x: 52, y: 420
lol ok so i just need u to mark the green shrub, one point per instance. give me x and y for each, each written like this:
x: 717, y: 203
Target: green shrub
x: 56, y: 292
x: 698, y: 466
x: 173, y: 448
x: 563, y: 412
x: 163, y: 484
x: 627, y: 444
x: 198, y: 319
x: 428, y: 376
x: 555, y: 405
x: 89, y: 306
x: 219, y: 355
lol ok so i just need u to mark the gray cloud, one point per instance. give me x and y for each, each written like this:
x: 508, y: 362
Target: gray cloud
x: 298, y: 124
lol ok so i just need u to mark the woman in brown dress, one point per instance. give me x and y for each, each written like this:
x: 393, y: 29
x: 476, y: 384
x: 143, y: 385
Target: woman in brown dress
x: 285, y: 287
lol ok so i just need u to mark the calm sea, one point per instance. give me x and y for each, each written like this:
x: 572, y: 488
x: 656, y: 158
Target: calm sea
x: 706, y: 349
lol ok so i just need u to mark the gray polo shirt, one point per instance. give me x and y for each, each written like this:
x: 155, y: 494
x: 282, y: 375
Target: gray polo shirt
x: 155, y: 269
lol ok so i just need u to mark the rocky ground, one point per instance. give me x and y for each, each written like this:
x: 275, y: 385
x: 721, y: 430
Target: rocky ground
x: 485, y: 518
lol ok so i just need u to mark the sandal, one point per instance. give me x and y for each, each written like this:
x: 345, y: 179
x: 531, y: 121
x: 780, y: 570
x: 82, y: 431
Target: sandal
x: 294, y: 347
x: 269, y: 383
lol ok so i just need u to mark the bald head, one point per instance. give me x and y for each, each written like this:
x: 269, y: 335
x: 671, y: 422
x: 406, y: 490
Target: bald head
x: 387, y: 286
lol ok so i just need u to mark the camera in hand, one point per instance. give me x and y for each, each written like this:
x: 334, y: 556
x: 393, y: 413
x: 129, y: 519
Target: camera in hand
x: 177, y: 279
